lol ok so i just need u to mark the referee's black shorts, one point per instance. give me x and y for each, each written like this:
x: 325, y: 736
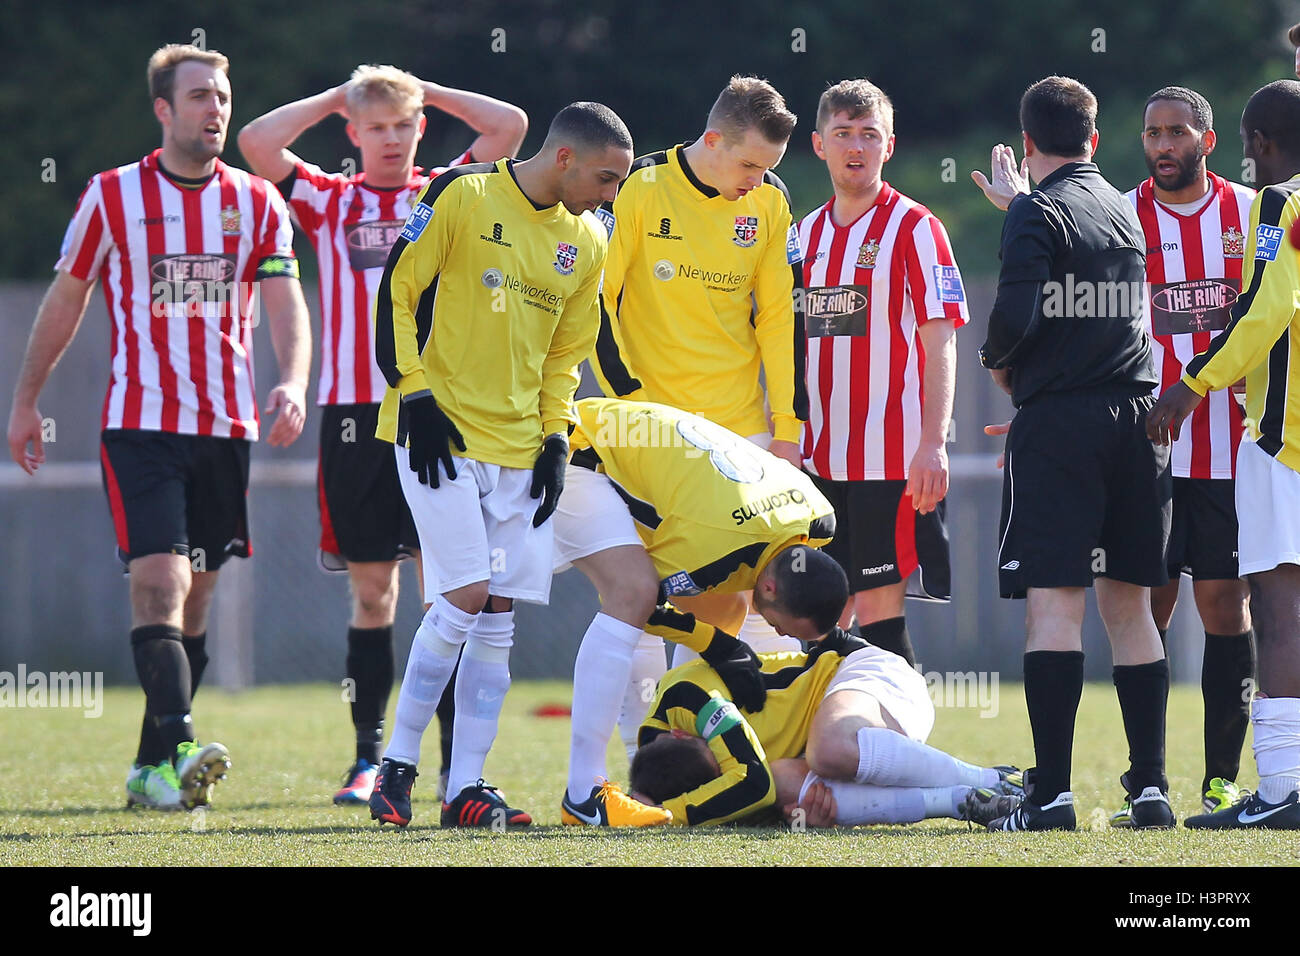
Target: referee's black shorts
x: 880, y: 539
x: 1084, y: 494
x: 177, y: 494
x: 363, y: 513
x: 1203, y: 536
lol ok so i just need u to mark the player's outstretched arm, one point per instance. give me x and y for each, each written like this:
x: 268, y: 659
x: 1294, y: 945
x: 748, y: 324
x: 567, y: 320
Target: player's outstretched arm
x: 286, y: 311
x: 265, y: 141
x: 56, y: 325
x: 500, y: 126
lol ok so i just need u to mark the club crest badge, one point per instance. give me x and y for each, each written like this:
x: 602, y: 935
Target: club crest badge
x: 746, y: 231
x: 867, y: 254
x: 230, y: 221
x: 1234, y: 243
x: 565, y: 256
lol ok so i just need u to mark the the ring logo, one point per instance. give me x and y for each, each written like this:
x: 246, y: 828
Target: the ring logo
x: 75, y: 908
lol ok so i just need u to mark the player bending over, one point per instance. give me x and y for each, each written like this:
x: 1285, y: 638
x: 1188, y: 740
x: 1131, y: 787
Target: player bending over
x: 661, y: 503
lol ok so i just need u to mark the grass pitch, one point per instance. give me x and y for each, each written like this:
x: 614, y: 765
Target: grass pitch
x: 62, y: 797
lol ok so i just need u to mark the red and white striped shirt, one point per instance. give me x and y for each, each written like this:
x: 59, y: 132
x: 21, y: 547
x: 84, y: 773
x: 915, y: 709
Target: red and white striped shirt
x: 868, y: 286
x: 178, y: 268
x: 1193, y: 278
x: 352, y: 225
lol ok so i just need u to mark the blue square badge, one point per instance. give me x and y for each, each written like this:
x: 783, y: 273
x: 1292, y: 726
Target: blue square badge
x: 1268, y: 240
x: 793, y: 252
x: 947, y: 284
x: 416, y: 221
x: 606, y: 219
x: 680, y: 583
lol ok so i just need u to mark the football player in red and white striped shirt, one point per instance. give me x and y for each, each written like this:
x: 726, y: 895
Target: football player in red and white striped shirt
x: 352, y: 221
x: 883, y: 300
x: 180, y: 242
x: 1194, y: 224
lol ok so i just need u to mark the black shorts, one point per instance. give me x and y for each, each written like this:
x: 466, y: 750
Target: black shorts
x: 881, y: 539
x: 177, y: 494
x: 363, y: 514
x: 1203, y: 537
x: 1084, y: 494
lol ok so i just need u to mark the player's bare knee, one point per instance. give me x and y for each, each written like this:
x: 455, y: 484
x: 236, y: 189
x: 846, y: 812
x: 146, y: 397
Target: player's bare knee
x: 1224, y: 606
x: 496, y: 604
x: 471, y: 598
x: 374, y: 595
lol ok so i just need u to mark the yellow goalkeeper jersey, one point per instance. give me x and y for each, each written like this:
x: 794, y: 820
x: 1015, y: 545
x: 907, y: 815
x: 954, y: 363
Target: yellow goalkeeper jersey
x: 711, y: 508
x: 693, y: 698
x: 698, y: 294
x: 1262, y: 341
x: 488, y: 302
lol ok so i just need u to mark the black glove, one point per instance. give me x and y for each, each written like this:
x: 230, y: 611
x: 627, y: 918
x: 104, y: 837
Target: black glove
x: 839, y: 641
x: 737, y: 665
x: 430, y: 433
x: 548, y: 476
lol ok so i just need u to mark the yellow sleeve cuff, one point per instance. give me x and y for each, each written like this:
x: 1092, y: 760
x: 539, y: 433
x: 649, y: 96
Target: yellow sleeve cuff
x: 787, y: 428
x: 415, y: 382
x: 1195, y: 385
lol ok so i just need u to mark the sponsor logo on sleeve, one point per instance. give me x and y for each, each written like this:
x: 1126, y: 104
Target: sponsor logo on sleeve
x: 606, y: 219
x: 420, y: 215
x: 793, y: 251
x: 947, y: 284
x: 680, y: 583
x: 1268, y: 240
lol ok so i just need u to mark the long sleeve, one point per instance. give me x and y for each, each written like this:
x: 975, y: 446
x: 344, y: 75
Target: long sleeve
x: 1028, y: 250
x: 572, y: 341
x: 1268, y: 303
x: 779, y: 327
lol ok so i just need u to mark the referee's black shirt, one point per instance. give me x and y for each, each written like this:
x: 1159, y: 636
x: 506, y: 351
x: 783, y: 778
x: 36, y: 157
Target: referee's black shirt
x: 1071, y: 293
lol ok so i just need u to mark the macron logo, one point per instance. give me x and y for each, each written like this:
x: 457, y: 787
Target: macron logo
x: 75, y: 908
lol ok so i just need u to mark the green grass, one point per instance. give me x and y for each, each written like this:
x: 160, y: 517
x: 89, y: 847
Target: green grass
x: 62, y: 799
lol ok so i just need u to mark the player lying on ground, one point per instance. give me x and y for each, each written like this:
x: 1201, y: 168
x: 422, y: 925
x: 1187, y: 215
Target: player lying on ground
x: 842, y: 735
x: 661, y: 504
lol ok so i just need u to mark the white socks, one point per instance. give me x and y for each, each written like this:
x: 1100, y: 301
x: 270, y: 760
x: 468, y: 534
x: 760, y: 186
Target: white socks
x: 649, y: 663
x: 889, y: 759
x: 857, y: 804
x: 481, y: 687
x: 428, y: 668
x: 600, y: 684
x: 1276, y: 722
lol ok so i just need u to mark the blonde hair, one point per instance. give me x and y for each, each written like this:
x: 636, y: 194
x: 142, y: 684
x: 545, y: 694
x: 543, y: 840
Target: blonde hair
x: 161, y: 72
x: 746, y: 103
x: 384, y: 84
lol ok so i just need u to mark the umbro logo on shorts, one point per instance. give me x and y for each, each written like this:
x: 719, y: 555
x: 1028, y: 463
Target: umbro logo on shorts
x: 1011, y: 566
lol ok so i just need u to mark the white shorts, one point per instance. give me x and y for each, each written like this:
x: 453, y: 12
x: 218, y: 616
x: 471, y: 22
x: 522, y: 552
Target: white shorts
x: 479, y: 528
x: 1268, y: 511
x: 590, y: 517
x: 885, y: 676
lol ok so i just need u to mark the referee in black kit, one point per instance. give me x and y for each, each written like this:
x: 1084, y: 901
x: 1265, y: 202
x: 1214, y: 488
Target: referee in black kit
x: 1085, y: 494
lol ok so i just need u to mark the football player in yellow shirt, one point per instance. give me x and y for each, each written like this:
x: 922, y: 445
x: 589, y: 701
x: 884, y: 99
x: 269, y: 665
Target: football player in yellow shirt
x: 663, y: 504
x: 486, y: 309
x: 842, y: 736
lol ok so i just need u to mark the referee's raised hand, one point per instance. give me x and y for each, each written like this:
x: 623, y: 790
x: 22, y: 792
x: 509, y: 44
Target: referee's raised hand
x: 1007, y: 183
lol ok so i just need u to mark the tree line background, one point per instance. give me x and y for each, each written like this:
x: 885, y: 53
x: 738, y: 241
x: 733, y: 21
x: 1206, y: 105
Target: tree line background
x: 74, y: 98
